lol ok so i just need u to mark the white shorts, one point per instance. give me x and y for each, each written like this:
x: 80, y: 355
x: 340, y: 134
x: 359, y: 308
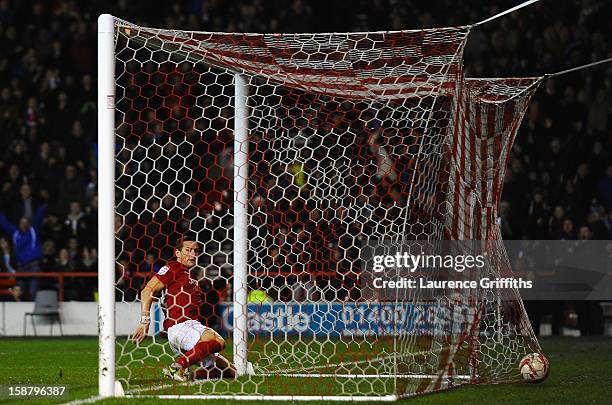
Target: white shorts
x: 184, y: 336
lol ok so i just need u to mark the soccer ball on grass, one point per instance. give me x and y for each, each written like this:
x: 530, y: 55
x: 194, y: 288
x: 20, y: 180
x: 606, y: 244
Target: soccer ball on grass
x: 534, y: 367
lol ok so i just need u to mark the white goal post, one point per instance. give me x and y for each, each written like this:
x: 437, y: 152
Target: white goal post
x: 287, y: 154
x: 241, y: 175
x: 106, y: 208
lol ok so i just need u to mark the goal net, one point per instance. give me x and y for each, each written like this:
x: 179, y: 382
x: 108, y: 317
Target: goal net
x: 286, y: 154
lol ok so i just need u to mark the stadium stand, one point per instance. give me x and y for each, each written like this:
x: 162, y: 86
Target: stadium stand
x: 559, y: 182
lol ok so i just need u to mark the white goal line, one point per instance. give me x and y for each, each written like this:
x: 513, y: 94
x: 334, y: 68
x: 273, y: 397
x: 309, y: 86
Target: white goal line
x: 347, y: 398
x: 355, y: 398
x: 89, y: 400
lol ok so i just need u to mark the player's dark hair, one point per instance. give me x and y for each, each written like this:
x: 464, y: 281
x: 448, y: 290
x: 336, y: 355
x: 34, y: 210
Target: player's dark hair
x: 187, y: 237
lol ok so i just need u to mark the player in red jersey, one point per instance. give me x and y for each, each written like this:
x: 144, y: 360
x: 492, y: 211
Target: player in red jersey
x: 188, y: 338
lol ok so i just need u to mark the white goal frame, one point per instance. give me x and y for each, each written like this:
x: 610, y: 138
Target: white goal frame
x: 107, y: 382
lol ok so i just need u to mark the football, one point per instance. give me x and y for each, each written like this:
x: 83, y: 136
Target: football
x: 534, y: 367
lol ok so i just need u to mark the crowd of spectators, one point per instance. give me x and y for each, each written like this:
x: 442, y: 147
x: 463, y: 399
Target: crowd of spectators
x: 559, y: 179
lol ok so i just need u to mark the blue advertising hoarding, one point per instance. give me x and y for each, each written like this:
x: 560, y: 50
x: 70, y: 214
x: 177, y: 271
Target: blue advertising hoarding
x: 350, y: 319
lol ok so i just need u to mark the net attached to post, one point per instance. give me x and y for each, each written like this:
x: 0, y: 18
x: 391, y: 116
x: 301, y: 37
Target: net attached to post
x: 351, y: 137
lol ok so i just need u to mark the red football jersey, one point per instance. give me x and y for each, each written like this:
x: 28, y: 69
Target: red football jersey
x: 183, y: 294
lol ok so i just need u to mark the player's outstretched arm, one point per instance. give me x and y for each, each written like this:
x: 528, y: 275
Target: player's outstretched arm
x: 146, y: 300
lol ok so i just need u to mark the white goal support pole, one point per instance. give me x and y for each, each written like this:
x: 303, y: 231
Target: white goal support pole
x: 241, y: 195
x: 106, y: 210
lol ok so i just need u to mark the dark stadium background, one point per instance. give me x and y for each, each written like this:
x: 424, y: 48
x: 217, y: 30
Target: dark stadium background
x: 559, y: 181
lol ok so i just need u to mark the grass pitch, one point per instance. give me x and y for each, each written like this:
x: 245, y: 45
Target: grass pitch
x: 581, y: 371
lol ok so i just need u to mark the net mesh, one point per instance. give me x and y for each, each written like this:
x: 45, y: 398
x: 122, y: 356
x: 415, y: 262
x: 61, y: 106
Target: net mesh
x: 352, y: 137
